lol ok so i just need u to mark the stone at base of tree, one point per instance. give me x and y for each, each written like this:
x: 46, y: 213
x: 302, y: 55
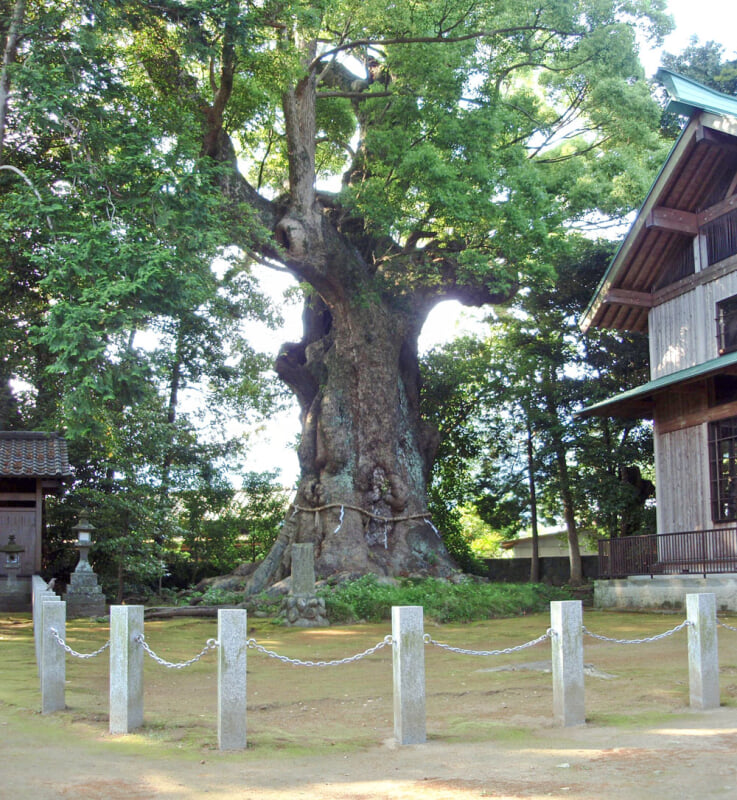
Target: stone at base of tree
x: 305, y: 612
x: 279, y: 588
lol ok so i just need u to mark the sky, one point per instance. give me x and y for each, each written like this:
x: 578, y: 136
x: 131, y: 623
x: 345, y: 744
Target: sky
x: 710, y: 20
x: 273, y: 445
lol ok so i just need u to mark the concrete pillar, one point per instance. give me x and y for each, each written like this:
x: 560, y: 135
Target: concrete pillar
x: 409, y: 674
x: 232, y: 638
x: 703, y: 652
x: 53, y: 657
x: 566, y: 622
x: 126, y: 668
x: 39, y: 593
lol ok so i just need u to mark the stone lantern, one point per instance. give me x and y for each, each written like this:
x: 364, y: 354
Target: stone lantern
x: 84, y: 597
x: 83, y: 529
x: 12, y: 553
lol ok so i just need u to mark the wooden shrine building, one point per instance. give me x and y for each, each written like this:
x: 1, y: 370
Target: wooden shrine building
x: 675, y: 278
x: 32, y: 465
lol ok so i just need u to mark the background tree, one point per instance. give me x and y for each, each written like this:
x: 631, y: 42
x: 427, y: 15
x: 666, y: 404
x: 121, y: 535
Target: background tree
x: 514, y: 443
x: 112, y: 310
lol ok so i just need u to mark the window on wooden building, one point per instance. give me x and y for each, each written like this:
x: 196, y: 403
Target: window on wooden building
x: 722, y: 389
x: 721, y: 237
x: 727, y: 325
x: 723, y: 467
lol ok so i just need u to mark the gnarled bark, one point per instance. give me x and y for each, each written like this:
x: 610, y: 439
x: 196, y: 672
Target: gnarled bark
x: 365, y: 454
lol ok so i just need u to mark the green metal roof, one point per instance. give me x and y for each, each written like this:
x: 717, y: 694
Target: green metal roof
x: 638, y: 402
x: 687, y: 96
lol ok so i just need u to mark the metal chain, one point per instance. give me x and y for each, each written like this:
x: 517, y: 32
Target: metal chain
x: 724, y: 625
x: 74, y: 653
x: 253, y: 644
x: 680, y: 627
x: 212, y: 644
x: 507, y: 650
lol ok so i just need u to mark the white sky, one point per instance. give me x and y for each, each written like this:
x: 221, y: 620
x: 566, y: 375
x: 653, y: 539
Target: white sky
x: 710, y: 20
x: 273, y: 445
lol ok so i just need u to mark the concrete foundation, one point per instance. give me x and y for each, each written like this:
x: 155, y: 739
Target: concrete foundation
x: 664, y: 592
x: 15, y: 594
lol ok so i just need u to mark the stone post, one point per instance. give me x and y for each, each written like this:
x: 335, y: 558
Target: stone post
x: 40, y: 593
x: 703, y: 652
x: 409, y: 674
x: 566, y: 622
x: 303, y: 608
x: 232, y: 657
x: 303, y: 569
x: 53, y: 657
x: 126, y: 669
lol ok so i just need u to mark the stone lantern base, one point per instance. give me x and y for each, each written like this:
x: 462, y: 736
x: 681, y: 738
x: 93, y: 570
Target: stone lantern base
x: 84, y: 597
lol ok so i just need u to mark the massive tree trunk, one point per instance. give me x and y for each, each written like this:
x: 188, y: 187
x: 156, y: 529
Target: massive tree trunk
x: 364, y: 453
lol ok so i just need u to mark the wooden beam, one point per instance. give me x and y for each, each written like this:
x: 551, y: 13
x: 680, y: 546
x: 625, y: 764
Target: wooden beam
x: 717, y: 138
x: 26, y: 497
x: 717, y: 122
x: 696, y: 418
x: 625, y: 297
x: 712, y: 273
x: 717, y: 210
x: 673, y: 220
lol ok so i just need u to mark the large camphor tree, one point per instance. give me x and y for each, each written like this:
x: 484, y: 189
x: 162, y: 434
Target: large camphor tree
x: 390, y: 155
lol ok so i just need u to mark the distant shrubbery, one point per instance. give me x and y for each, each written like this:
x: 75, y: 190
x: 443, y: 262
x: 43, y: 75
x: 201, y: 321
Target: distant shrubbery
x: 368, y: 599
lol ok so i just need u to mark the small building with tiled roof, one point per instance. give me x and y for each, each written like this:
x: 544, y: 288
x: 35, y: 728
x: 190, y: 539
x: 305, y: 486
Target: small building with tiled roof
x: 32, y: 464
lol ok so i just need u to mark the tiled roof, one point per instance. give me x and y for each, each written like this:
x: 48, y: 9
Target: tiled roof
x: 33, y: 454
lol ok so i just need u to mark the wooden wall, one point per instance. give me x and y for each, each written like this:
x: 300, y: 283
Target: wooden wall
x: 682, y: 480
x: 682, y: 330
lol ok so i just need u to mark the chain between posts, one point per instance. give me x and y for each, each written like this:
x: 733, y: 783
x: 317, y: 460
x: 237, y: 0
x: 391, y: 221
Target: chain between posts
x: 505, y: 652
x: 724, y: 625
x: 680, y: 627
x: 211, y: 644
x: 254, y: 645
x: 74, y: 653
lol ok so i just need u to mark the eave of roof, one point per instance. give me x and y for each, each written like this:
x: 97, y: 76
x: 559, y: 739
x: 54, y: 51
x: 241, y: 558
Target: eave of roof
x: 686, y: 97
x: 639, y: 402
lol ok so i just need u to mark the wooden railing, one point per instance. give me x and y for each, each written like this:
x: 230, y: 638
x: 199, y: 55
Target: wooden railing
x: 692, y: 552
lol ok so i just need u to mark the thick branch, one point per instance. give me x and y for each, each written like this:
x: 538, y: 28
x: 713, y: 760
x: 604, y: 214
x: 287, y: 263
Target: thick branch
x: 439, y: 39
x: 9, y: 55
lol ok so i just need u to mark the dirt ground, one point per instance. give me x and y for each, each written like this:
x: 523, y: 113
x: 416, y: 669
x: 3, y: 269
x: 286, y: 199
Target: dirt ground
x: 327, y: 733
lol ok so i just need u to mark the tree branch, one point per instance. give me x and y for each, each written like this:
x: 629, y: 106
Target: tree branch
x: 439, y: 39
x: 9, y: 55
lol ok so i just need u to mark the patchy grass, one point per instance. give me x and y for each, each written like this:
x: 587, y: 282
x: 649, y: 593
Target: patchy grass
x: 298, y: 710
